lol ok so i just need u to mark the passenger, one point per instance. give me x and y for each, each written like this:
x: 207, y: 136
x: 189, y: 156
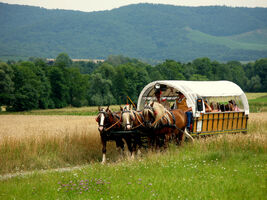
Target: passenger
x: 157, y: 94
x: 218, y: 107
x: 227, y: 107
x: 161, y: 100
x: 181, y: 104
x: 207, y: 107
x: 233, y: 105
x: 214, y: 107
x: 222, y: 107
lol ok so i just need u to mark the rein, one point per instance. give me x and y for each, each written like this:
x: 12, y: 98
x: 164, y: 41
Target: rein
x: 166, y: 112
x: 141, y: 124
x: 158, y: 119
x: 113, y: 124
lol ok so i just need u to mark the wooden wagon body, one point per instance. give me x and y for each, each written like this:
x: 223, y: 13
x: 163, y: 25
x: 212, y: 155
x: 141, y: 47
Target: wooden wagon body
x: 204, y: 123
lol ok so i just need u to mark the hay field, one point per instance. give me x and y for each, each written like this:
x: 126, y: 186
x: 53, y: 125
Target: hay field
x: 29, y: 142
x: 21, y: 126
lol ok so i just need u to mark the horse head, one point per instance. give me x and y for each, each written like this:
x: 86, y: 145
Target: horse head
x: 148, y: 114
x: 153, y: 112
x: 127, y: 117
x: 103, y: 118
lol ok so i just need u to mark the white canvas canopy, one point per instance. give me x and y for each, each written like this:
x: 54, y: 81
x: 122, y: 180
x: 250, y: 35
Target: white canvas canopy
x: 193, y: 90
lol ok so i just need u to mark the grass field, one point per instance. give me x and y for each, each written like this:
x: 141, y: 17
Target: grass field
x: 221, y: 167
x: 258, y: 103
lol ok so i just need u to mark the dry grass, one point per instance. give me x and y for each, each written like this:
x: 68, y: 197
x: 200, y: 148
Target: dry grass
x: 21, y: 126
x: 45, y: 142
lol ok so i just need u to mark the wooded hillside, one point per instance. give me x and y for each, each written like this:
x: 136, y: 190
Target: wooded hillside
x: 144, y: 31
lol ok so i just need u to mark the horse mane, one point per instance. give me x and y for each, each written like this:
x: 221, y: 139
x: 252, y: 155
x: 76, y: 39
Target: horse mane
x: 160, y: 112
x: 158, y: 108
x: 130, y: 114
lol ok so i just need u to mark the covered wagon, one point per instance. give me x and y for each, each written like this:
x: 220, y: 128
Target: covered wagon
x: 199, y: 95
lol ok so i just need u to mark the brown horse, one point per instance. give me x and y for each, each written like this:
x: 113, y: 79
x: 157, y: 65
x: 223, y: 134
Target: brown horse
x: 166, y: 124
x: 133, y: 122
x: 131, y: 119
x: 109, y: 122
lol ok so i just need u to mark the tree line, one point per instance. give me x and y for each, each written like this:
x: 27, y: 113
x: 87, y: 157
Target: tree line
x: 36, y: 84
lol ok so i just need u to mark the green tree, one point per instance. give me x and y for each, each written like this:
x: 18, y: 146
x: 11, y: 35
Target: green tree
x: 6, y: 85
x: 120, y: 86
x: 27, y: 87
x: 63, y: 60
x: 100, y: 91
x: 59, y: 88
x: 78, y: 88
x: 238, y: 72
x: 261, y: 71
x: 170, y: 70
x: 254, y: 85
x: 203, y: 66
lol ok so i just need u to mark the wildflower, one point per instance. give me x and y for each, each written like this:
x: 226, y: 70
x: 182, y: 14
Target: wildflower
x: 150, y: 184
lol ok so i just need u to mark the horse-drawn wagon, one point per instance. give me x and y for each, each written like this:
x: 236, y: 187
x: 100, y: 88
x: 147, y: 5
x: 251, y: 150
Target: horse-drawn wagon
x: 228, y: 104
x: 174, y: 109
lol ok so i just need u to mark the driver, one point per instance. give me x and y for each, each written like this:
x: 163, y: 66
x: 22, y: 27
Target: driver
x: 181, y: 104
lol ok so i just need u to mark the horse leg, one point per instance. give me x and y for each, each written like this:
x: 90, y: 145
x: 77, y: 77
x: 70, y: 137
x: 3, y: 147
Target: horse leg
x: 152, y: 142
x: 134, y: 146
x: 158, y: 143
x: 120, y: 146
x: 129, y: 145
x: 104, y: 149
x: 166, y: 140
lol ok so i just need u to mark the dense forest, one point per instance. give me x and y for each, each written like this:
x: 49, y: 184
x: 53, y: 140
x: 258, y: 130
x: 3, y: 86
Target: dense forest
x: 33, y: 84
x: 145, y: 31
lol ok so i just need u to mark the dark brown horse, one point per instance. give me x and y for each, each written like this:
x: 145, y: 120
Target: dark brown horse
x: 166, y: 124
x: 108, y: 123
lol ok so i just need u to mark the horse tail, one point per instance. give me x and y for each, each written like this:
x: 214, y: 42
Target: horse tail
x: 188, y: 135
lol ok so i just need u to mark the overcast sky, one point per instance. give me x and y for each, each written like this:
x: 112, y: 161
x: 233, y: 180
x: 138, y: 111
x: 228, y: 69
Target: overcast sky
x: 96, y: 5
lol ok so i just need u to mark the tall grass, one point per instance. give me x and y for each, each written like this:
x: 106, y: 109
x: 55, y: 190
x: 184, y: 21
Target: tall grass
x: 218, y: 167
x: 45, y: 142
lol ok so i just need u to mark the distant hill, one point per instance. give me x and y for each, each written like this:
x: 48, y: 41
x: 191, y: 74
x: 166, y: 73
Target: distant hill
x: 144, y: 31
